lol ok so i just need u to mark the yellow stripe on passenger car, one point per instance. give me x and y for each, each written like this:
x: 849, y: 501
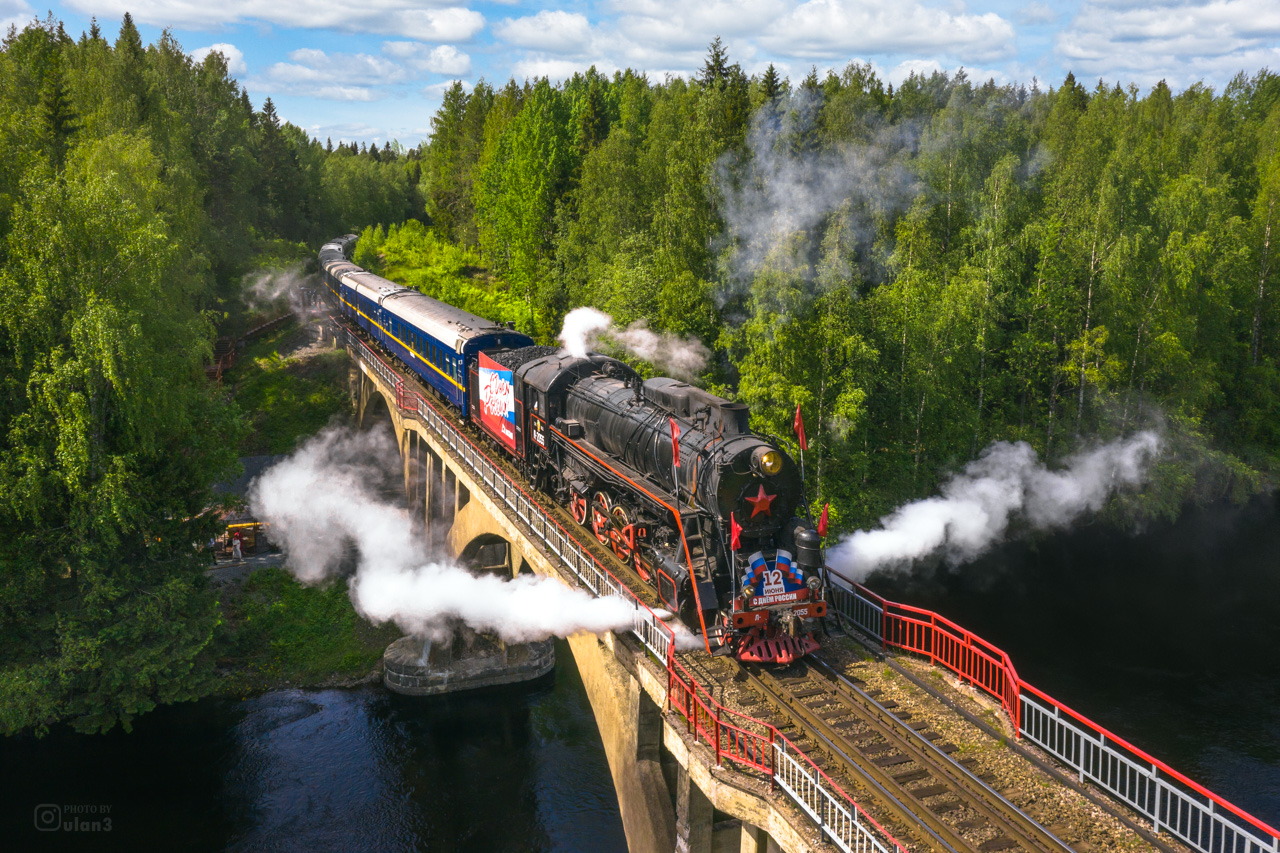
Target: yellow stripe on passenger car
x: 443, y: 375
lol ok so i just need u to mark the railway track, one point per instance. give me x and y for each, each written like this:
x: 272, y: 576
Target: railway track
x: 901, y: 769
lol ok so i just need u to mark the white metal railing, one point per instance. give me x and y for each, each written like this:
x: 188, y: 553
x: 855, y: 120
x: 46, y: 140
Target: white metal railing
x: 655, y: 634
x: 833, y: 816
x: 864, y: 611
x: 1173, y: 803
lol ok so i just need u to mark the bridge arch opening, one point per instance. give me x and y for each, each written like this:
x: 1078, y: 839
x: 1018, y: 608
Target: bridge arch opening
x: 488, y: 553
x: 376, y: 414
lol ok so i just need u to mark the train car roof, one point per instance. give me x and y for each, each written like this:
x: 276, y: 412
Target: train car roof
x: 452, y: 326
x: 336, y: 249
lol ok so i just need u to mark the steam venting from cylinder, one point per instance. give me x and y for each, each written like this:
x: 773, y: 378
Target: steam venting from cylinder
x: 323, y: 508
x: 1007, y: 483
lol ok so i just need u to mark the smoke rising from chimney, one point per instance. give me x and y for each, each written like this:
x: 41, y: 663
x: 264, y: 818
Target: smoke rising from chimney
x: 681, y: 358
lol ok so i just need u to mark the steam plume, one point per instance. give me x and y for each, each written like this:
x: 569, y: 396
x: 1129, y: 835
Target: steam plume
x: 783, y: 187
x: 581, y: 326
x: 682, y: 358
x: 322, y: 501
x: 265, y: 289
x: 975, y: 508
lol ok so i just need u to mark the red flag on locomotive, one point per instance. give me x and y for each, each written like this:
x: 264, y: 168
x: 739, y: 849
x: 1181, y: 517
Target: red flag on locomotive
x: 735, y: 534
x: 799, y: 425
x: 675, y: 442
x: 822, y: 522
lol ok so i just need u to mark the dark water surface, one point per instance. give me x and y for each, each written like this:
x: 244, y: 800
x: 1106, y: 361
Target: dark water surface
x: 1169, y: 637
x: 506, y: 769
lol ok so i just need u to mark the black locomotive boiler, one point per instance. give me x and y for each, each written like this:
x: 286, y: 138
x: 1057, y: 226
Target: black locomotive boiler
x: 668, y: 476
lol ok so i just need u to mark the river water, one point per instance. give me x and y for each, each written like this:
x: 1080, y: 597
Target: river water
x: 1170, y: 636
x: 506, y: 769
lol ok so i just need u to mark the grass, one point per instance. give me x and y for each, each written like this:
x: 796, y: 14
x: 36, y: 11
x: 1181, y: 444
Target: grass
x: 285, y: 398
x: 415, y: 257
x: 278, y: 631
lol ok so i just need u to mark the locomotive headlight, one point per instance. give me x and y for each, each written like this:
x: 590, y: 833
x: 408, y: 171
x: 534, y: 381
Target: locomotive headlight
x: 813, y: 582
x: 748, y: 591
x: 767, y: 462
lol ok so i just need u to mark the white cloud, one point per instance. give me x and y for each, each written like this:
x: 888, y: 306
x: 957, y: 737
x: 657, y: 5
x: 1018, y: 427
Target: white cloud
x: 232, y: 54
x: 436, y: 91
x: 410, y: 18
x: 834, y: 28
x: 556, y: 69
x: 653, y: 35
x: 14, y: 13
x: 816, y: 29
x: 560, y: 32
x: 1035, y: 13
x: 337, y: 77
x: 442, y: 59
x: 1183, y: 42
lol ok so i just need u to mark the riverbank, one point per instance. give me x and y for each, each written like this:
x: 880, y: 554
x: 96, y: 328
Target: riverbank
x: 277, y: 633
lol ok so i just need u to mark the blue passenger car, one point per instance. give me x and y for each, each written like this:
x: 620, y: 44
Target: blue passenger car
x: 435, y: 340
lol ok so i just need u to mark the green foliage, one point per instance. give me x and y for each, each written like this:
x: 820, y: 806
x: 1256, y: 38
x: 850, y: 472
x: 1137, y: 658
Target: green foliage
x: 287, y: 398
x: 418, y: 258
x: 277, y: 629
x: 1057, y: 267
x: 136, y: 188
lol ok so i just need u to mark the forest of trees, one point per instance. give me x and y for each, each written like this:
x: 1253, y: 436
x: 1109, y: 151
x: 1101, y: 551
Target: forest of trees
x: 925, y: 270
x: 136, y: 189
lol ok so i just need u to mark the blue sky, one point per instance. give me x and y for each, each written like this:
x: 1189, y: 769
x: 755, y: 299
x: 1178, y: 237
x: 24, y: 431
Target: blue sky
x: 373, y: 70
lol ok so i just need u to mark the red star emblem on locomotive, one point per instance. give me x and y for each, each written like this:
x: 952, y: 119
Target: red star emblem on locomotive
x: 760, y: 503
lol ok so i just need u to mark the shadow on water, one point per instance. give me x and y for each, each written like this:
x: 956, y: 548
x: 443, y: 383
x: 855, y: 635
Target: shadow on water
x: 506, y: 769
x: 1169, y: 637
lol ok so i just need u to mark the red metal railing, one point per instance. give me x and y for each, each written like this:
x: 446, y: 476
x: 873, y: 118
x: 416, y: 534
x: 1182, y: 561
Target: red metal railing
x: 1173, y: 802
x: 754, y: 743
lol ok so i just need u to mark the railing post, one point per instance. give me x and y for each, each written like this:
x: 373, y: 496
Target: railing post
x: 716, y: 731
x: 773, y: 761
x: 1155, y: 809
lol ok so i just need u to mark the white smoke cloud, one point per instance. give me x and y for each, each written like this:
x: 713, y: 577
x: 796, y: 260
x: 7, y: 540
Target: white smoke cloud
x: 322, y: 505
x: 266, y: 289
x: 777, y: 191
x: 682, y: 358
x: 975, y: 508
x: 581, y: 325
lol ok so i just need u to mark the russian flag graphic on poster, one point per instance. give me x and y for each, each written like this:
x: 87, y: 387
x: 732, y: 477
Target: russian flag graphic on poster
x: 498, y: 400
x: 776, y: 580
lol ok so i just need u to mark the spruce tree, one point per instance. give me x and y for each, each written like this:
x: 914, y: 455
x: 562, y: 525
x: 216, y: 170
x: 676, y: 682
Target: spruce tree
x: 771, y: 84
x: 716, y: 69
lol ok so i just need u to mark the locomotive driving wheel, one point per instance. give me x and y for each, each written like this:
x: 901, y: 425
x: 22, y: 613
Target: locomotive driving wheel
x: 578, y: 506
x: 601, y: 512
x: 621, y: 521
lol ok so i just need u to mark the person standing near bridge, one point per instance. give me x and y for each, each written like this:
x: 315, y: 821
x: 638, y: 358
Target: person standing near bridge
x: 235, y: 546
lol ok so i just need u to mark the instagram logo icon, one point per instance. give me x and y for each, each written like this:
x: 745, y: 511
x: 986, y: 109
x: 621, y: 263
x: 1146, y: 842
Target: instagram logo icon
x: 48, y: 817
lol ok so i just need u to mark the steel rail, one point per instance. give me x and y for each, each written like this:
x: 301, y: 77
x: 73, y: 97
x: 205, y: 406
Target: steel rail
x: 1002, y: 808
x: 1105, y: 803
x: 905, y: 803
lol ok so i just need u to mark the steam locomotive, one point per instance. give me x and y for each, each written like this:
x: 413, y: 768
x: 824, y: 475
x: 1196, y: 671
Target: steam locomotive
x: 666, y: 475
